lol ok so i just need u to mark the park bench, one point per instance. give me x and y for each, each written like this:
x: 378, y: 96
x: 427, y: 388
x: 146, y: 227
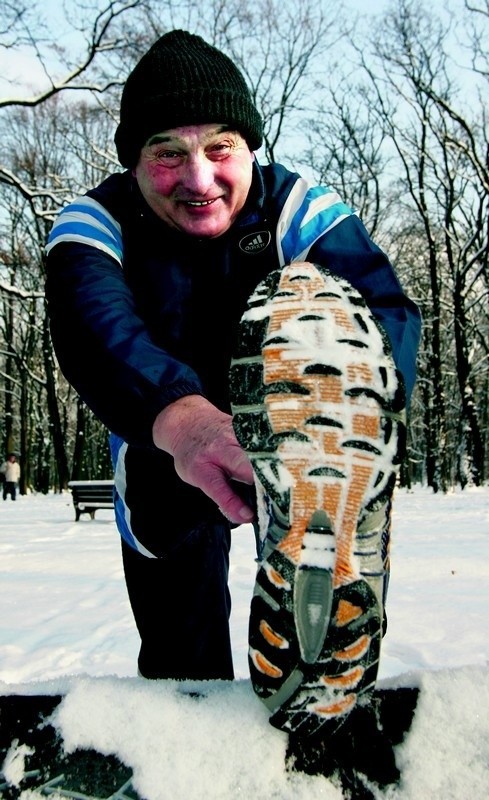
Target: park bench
x: 88, y: 496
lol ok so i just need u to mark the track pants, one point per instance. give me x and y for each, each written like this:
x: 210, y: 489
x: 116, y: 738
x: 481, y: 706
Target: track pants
x: 182, y: 604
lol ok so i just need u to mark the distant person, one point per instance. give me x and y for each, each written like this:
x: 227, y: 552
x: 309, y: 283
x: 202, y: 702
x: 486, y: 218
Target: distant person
x: 148, y: 278
x: 11, y: 470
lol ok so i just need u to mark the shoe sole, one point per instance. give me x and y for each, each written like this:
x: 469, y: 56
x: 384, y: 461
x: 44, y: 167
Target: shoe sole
x: 318, y: 406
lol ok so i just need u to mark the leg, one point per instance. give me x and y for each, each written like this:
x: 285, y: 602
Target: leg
x: 176, y: 573
x: 181, y: 604
x: 318, y: 406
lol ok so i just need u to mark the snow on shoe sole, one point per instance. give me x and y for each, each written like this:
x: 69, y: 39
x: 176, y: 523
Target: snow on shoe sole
x: 318, y: 406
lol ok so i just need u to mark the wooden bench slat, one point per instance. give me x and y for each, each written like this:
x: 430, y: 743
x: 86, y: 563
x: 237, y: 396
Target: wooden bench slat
x: 88, y: 496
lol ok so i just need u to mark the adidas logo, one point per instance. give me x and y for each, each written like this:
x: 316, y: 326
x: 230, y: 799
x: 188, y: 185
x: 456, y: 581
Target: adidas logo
x: 255, y: 242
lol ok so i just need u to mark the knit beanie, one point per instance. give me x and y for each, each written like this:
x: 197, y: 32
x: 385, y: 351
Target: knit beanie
x: 182, y: 80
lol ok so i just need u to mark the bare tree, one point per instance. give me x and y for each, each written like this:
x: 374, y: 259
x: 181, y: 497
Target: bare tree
x: 398, y: 137
x: 384, y: 122
x: 34, y: 172
x: 57, y: 142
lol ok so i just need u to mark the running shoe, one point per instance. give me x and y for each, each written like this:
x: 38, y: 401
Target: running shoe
x: 318, y: 406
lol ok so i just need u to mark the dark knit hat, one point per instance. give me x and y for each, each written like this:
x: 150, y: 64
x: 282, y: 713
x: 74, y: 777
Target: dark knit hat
x: 182, y: 80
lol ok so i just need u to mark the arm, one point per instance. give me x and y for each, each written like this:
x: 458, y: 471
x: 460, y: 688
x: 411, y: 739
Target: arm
x: 348, y: 250
x: 137, y: 389
x: 315, y: 225
x: 103, y: 347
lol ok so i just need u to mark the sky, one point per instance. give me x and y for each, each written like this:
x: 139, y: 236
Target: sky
x: 20, y: 72
x: 66, y: 627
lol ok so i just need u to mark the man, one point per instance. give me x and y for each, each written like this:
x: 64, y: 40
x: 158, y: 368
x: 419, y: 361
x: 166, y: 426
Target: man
x: 149, y: 276
x: 11, y: 472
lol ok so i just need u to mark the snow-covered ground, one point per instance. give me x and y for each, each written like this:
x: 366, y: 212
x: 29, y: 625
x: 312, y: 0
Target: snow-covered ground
x: 66, y: 627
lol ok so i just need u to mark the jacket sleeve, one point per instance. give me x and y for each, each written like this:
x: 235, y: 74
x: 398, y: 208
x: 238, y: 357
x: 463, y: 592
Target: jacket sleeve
x: 315, y: 225
x: 103, y: 347
x: 348, y: 251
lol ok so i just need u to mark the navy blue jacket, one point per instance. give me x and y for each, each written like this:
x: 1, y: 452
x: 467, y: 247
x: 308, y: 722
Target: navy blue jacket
x: 142, y: 314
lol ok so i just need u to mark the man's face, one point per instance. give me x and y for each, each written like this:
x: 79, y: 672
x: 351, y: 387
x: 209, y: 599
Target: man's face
x: 196, y: 178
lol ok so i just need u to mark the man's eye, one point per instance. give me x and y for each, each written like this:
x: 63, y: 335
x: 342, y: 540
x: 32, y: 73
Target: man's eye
x: 168, y: 154
x: 219, y: 150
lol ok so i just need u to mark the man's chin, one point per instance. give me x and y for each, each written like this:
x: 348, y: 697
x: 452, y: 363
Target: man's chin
x: 204, y: 230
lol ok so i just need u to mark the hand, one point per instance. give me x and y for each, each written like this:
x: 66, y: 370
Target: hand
x: 206, y: 452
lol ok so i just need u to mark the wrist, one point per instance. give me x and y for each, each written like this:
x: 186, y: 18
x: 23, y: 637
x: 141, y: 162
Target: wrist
x: 173, y: 420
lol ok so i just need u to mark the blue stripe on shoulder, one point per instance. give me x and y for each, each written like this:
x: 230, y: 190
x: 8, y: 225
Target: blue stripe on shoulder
x: 86, y: 205
x: 319, y: 210
x: 79, y: 229
x: 86, y: 220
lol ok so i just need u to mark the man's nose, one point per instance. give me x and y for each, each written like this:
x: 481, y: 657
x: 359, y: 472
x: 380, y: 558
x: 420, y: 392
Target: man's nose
x: 199, y: 174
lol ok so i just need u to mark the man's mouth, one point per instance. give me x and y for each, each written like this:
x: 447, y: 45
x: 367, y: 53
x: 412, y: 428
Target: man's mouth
x: 199, y: 203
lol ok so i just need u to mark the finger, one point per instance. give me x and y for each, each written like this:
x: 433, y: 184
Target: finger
x: 242, y: 470
x: 236, y: 463
x: 227, y: 497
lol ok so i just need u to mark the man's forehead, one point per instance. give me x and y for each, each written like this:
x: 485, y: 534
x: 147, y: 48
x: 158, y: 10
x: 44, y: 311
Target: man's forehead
x: 203, y: 133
